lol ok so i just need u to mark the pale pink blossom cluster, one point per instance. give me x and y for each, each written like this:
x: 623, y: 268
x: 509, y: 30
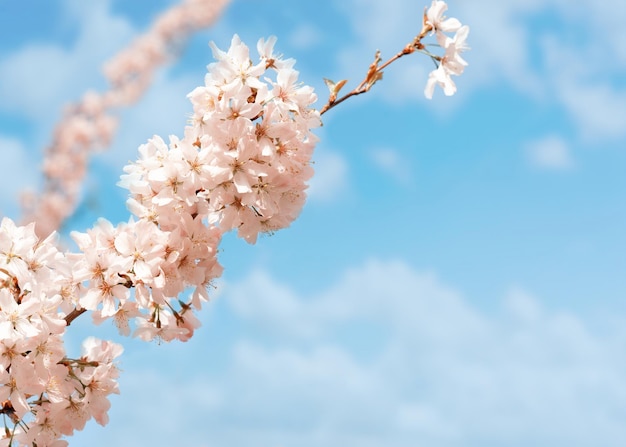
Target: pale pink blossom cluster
x: 89, y: 124
x: 451, y: 63
x: 136, y: 271
x: 245, y: 159
x: 242, y: 164
x: 43, y: 393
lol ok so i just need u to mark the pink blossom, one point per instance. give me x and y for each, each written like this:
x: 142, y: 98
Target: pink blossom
x: 454, y: 47
x: 436, y: 19
x: 441, y: 77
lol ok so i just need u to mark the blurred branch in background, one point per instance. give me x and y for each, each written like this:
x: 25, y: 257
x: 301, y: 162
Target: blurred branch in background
x: 89, y: 125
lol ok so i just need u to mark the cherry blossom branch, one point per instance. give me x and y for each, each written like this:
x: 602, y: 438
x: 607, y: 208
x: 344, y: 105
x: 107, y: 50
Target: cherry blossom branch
x: 374, y: 74
x: 433, y: 22
x: 242, y: 164
x: 88, y: 125
x: 74, y: 314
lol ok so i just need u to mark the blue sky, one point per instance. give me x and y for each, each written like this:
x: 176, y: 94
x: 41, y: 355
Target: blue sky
x: 457, y: 276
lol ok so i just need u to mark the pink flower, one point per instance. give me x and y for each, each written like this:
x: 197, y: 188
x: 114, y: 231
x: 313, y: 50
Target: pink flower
x: 142, y: 243
x: 436, y: 19
x: 454, y: 47
x: 17, y: 320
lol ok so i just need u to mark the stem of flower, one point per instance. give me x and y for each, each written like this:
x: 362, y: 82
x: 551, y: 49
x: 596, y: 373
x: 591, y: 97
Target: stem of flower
x: 73, y: 315
x: 375, y: 72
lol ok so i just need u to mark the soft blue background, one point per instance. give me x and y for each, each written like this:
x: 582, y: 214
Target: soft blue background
x: 457, y: 277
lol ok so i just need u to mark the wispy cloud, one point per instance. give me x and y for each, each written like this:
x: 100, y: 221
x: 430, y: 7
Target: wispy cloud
x: 21, y: 173
x: 391, y: 162
x: 390, y: 356
x: 305, y: 36
x: 550, y: 152
x: 331, y: 180
x: 582, y: 76
x: 39, y: 77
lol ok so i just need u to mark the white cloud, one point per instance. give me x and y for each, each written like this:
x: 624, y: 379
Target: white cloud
x: 392, y: 163
x: 383, y: 299
x: 331, y: 179
x: 41, y: 77
x: 550, y: 152
x: 305, y: 37
x: 582, y: 81
x: 508, y: 48
x: 522, y: 305
x: 22, y: 172
x: 402, y: 83
x: 578, y: 73
x: 299, y: 371
x: 391, y: 356
x: 392, y: 25
x: 598, y: 108
x: 499, y: 40
x: 522, y: 378
x: 281, y: 305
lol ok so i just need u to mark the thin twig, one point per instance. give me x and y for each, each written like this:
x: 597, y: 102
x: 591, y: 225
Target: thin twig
x: 375, y: 71
x: 73, y: 315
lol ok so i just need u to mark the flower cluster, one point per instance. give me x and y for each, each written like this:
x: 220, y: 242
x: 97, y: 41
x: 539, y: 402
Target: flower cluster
x: 43, y: 392
x: 242, y: 164
x: 245, y: 159
x: 451, y: 63
x: 137, y: 270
